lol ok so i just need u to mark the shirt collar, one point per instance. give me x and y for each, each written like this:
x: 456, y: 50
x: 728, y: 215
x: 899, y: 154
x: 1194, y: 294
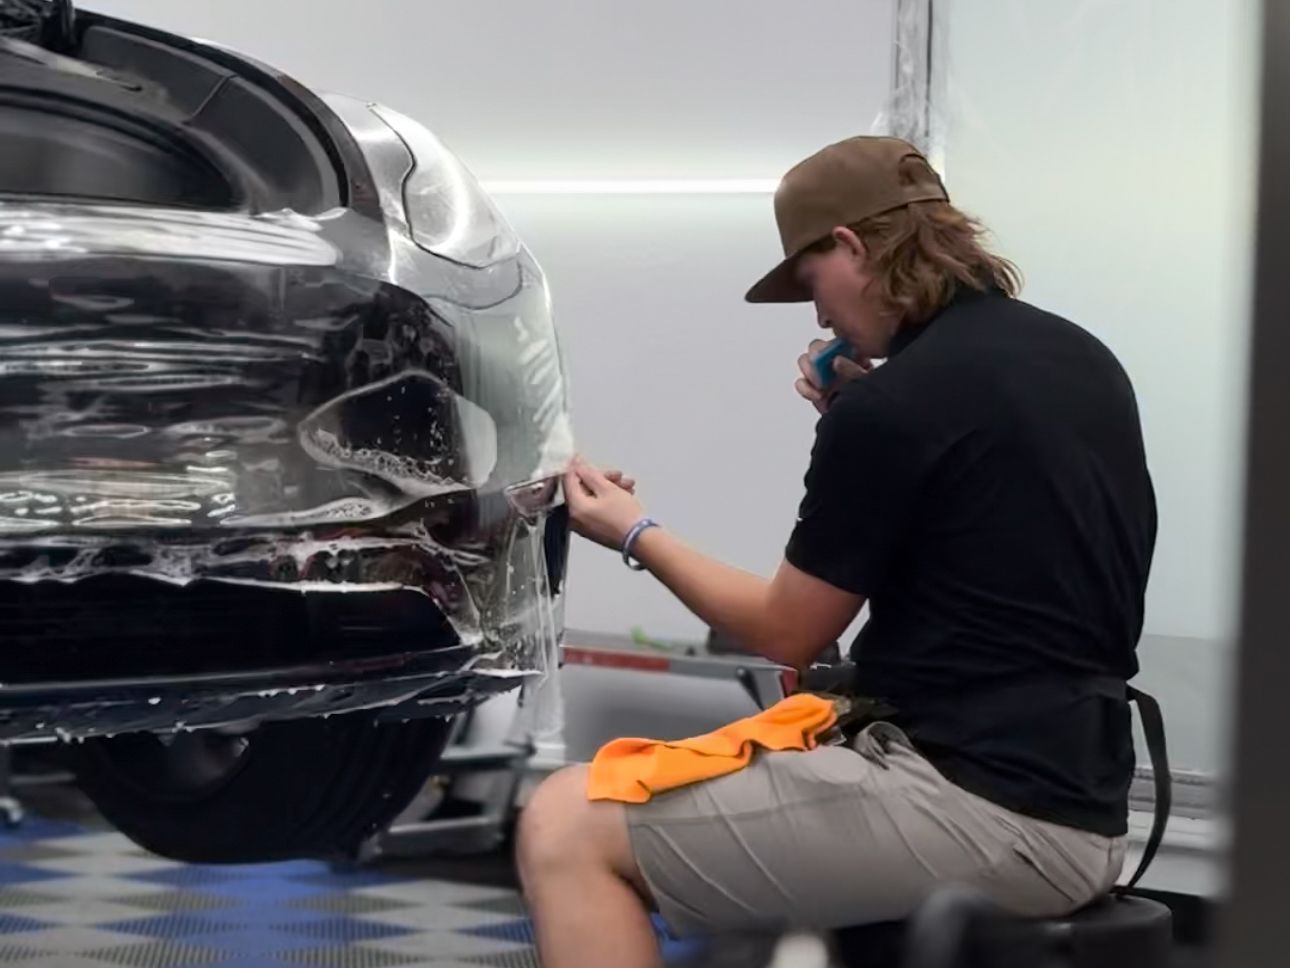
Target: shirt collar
x: 963, y: 296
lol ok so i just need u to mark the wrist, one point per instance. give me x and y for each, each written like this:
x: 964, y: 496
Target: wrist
x: 632, y: 541
x: 648, y: 541
x: 645, y: 553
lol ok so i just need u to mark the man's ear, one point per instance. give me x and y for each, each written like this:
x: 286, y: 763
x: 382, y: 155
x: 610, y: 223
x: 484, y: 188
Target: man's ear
x: 850, y: 242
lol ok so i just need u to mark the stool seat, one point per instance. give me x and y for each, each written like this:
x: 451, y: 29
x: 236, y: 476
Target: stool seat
x: 1113, y: 932
x: 1133, y: 932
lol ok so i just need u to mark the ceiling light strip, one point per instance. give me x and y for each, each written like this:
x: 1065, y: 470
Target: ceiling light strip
x: 630, y: 186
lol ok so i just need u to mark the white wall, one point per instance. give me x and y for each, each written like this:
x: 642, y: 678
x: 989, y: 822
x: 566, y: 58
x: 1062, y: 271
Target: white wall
x: 578, y: 88
x: 676, y: 379
x: 673, y: 376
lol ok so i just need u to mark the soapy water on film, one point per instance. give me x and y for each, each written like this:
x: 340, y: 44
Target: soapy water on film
x: 497, y: 598
x: 322, y: 438
x: 287, y: 426
x: 236, y: 461
x: 542, y: 629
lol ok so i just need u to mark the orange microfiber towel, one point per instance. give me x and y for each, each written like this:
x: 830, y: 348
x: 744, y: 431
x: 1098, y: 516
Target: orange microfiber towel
x: 633, y: 770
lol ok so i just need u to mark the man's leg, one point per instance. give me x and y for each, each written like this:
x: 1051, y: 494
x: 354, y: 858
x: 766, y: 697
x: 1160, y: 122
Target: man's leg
x: 584, y: 891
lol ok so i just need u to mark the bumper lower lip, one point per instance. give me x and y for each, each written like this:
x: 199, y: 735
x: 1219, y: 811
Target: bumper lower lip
x: 399, y: 687
x: 120, y: 653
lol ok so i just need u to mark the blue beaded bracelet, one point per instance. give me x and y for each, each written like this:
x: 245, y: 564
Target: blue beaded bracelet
x: 639, y: 528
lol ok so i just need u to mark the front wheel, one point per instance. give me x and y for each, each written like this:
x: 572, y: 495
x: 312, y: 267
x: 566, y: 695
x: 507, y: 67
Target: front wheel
x: 298, y: 788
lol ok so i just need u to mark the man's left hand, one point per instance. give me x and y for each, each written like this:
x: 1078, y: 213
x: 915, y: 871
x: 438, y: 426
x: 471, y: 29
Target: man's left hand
x: 602, y: 507
x: 845, y: 368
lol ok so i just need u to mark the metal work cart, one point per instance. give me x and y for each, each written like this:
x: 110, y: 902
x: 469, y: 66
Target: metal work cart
x: 764, y: 682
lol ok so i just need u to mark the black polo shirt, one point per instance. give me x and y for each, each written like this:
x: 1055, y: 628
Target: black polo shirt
x: 986, y: 490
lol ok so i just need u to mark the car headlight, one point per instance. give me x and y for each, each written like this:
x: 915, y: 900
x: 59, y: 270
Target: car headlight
x: 448, y: 212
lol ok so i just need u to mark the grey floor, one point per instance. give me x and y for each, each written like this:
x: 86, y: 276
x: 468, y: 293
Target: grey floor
x: 74, y: 894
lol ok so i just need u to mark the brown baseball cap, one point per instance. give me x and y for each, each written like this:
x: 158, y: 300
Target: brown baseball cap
x: 841, y: 185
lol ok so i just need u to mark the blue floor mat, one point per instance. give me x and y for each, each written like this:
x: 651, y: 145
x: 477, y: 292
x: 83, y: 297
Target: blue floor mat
x: 84, y: 899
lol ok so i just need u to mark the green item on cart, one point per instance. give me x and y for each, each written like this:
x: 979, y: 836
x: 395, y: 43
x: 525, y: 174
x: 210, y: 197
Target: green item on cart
x: 639, y: 637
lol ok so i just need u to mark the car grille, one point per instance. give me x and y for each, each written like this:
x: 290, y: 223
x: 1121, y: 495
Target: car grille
x: 121, y: 626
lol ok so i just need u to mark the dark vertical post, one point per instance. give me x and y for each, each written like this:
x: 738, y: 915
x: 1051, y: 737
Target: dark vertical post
x: 1253, y: 931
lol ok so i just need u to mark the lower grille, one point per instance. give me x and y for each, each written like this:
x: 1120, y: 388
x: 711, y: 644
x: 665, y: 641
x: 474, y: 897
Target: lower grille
x: 119, y: 626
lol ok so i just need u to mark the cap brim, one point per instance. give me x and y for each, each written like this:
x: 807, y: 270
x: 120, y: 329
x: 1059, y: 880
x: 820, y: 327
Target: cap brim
x: 780, y: 285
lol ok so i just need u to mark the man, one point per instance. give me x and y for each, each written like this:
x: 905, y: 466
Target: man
x: 985, y: 491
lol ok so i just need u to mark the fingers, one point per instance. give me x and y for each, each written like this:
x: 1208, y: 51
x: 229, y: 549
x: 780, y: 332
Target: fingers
x: 575, y: 492
x: 807, y: 366
x: 819, y: 399
x: 618, y: 478
x: 849, y: 369
x: 806, y: 362
x: 810, y: 391
x: 601, y: 505
x: 585, y: 479
x: 591, y: 477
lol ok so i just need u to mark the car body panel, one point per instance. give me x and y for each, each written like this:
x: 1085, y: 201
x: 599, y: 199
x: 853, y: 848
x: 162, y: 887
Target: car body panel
x: 360, y: 400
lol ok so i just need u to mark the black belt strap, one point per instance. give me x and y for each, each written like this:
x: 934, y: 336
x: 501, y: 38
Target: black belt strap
x: 1153, y: 725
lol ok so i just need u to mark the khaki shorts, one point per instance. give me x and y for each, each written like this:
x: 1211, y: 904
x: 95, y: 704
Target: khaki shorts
x: 830, y: 838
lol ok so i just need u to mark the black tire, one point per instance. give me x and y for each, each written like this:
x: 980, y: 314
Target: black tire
x: 302, y: 788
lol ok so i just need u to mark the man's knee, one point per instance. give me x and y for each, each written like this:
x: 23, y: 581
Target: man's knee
x: 560, y: 829
x: 547, y: 835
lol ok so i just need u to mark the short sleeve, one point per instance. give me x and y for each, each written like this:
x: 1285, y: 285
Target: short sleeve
x: 867, y: 470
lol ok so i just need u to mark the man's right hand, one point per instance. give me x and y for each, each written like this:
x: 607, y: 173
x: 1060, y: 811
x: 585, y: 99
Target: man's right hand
x: 808, y: 384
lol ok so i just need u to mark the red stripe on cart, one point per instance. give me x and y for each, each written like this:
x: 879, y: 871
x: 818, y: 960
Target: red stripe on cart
x: 613, y: 659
